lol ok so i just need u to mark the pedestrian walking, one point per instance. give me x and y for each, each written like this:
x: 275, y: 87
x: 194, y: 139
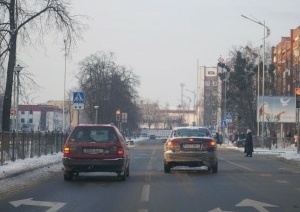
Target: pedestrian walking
x: 248, y: 144
x: 289, y: 138
x: 274, y: 139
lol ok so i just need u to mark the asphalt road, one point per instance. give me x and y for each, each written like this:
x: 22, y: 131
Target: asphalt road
x: 261, y: 183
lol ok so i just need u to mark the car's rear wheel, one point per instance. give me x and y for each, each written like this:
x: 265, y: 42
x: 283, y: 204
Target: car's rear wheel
x: 68, y: 175
x: 214, y: 168
x: 122, y: 175
x: 127, y: 171
x: 167, y: 168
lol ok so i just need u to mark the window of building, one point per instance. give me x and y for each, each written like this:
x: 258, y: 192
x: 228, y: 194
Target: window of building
x: 30, y: 121
x: 215, y: 93
x: 22, y: 121
x: 214, y: 83
x: 207, y: 83
x: 22, y: 112
x: 30, y: 112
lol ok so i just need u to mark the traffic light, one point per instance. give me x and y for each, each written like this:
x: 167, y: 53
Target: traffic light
x: 297, y: 93
x: 12, y: 112
x: 118, y: 115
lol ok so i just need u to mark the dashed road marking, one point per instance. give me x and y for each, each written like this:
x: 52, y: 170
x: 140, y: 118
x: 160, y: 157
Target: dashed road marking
x: 244, y: 167
x: 146, y: 188
x: 281, y: 181
x: 145, y: 193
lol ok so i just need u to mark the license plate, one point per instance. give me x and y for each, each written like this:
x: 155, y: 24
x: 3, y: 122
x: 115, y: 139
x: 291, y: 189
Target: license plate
x: 191, y: 146
x: 93, y: 151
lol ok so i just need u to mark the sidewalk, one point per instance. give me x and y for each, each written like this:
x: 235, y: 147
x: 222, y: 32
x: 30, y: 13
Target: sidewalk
x: 288, y: 153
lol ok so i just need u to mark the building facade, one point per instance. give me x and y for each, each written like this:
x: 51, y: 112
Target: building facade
x: 41, y: 117
x: 209, y: 111
x: 286, y: 58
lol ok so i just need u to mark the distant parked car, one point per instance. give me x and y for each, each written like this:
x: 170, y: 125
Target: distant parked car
x: 95, y: 148
x: 192, y: 147
x: 240, y: 143
x: 163, y: 140
x: 152, y: 137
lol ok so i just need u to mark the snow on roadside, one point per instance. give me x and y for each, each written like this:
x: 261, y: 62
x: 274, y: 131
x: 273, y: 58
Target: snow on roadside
x: 21, y: 174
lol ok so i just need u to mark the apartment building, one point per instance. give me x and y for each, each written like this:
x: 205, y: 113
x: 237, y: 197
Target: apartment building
x: 286, y: 58
x: 210, y: 93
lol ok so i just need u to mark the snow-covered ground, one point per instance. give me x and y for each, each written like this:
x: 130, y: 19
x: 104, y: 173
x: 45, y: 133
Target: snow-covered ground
x: 20, y: 174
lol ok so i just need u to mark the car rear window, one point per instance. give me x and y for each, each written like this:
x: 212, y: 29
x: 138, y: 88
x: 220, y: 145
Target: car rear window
x: 86, y: 134
x: 186, y: 132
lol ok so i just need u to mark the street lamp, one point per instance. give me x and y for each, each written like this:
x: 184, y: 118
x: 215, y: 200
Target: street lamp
x: 64, y: 97
x: 264, y: 58
x: 182, y: 108
x: 194, y: 107
x: 225, y: 77
x: 247, y: 48
x: 96, y: 107
x: 17, y: 71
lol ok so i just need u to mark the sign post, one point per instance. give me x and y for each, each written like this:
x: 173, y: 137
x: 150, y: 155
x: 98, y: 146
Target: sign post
x: 78, y: 102
x: 118, y: 118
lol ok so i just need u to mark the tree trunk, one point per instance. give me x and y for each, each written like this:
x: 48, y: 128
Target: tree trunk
x: 9, y: 84
x: 10, y: 70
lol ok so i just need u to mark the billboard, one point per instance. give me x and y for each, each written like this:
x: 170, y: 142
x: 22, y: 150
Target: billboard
x: 276, y: 109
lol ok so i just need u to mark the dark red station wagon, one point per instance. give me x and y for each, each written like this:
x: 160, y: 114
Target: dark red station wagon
x: 95, y: 148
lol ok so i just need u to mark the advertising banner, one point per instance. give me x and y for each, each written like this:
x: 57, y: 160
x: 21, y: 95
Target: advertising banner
x: 276, y: 109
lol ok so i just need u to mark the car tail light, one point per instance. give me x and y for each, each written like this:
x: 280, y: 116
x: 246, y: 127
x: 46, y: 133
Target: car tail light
x: 120, y: 152
x: 210, y: 143
x: 66, y: 151
x: 173, y: 145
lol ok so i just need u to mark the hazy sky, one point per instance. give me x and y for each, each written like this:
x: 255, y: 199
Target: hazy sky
x: 161, y: 40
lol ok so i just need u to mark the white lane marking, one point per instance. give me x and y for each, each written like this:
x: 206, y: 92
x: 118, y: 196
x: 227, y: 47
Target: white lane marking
x: 154, y: 151
x: 54, y: 206
x: 148, y: 177
x: 150, y: 164
x: 243, y: 167
x: 288, y: 170
x: 259, y: 206
x: 145, y: 193
x: 265, y: 175
x: 281, y: 181
x: 146, y: 188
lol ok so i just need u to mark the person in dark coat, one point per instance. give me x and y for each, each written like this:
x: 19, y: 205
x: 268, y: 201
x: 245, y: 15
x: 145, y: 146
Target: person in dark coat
x: 218, y: 138
x: 248, y: 144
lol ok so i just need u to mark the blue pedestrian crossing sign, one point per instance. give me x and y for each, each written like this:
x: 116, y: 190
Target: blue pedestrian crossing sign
x: 78, y: 99
x: 229, y: 115
x: 223, y: 123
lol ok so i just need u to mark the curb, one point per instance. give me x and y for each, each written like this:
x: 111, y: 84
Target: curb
x: 22, y: 171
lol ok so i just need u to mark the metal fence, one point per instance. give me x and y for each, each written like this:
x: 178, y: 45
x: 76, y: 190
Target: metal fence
x: 14, y: 146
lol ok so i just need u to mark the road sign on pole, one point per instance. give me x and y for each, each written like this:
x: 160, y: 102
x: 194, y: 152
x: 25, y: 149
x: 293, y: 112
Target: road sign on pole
x: 78, y: 100
x: 223, y: 123
x: 229, y: 115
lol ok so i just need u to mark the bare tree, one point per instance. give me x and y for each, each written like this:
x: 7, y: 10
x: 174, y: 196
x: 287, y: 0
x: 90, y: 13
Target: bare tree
x: 150, y: 113
x: 20, y: 18
x: 110, y: 87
